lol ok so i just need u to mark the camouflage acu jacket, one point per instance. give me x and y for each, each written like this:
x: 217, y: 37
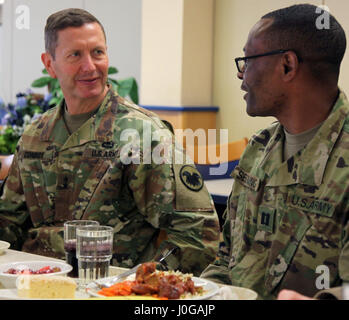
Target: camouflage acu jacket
x: 99, y: 173
x: 287, y: 222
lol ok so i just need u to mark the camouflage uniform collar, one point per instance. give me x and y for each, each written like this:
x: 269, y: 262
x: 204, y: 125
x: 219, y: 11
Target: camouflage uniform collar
x: 58, y: 115
x: 308, y: 165
x: 108, y: 107
x: 105, y: 117
x: 314, y: 159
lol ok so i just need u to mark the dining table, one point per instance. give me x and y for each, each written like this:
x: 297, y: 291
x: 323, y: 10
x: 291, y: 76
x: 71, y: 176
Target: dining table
x: 11, y: 255
x: 226, y: 292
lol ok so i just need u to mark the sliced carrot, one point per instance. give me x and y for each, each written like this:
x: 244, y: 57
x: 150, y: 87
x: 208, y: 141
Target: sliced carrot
x: 119, y: 289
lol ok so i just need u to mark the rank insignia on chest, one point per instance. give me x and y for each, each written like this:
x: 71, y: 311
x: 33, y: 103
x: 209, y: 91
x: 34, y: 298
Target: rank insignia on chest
x: 266, y: 219
x: 108, y: 144
x: 191, y: 178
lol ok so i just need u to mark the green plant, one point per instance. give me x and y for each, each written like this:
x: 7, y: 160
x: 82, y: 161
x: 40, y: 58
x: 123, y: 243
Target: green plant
x: 14, y: 118
x: 29, y: 106
x: 8, y: 140
x: 126, y: 87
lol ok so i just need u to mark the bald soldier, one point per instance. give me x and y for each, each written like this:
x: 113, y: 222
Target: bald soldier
x: 97, y: 156
x: 286, y: 221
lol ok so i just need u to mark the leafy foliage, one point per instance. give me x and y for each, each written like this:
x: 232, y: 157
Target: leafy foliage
x: 29, y: 106
x: 16, y: 116
x: 125, y: 87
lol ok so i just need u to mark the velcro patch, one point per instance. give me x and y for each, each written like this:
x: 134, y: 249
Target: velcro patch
x: 314, y: 205
x: 246, y: 179
x: 265, y: 220
x: 32, y: 155
x: 191, y: 178
x: 105, y: 153
x: 191, y: 195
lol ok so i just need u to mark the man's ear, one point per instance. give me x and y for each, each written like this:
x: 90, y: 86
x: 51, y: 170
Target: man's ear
x: 47, y: 59
x: 290, y: 65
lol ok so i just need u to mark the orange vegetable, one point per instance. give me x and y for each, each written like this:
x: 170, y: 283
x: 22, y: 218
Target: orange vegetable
x: 119, y: 289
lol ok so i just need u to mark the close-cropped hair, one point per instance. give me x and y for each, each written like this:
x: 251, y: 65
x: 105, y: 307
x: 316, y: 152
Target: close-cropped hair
x: 297, y: 28
x: 72, y: 17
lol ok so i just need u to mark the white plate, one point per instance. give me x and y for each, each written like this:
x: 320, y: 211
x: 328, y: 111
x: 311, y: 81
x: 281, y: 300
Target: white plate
x: 11, y: 294
x: 9, y: 280
x: 210, y: 289
x: 3, y: 246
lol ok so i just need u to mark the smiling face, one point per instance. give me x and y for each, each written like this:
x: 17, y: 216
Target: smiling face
x: 260, y: 78
x: 81, y: 63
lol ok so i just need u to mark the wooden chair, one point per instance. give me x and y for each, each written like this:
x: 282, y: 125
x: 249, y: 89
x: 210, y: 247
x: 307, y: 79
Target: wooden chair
x: 218, y: 162
x: 226, y: 156
x: 5, y: 164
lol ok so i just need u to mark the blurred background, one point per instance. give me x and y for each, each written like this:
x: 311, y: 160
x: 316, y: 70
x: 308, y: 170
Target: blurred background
x: 181, y: 53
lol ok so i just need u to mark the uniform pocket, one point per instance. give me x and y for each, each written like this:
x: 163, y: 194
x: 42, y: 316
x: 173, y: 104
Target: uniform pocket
x: 35, y: 185
x: 236, y: 227
x: 88, y: 188
x: 292, y: 229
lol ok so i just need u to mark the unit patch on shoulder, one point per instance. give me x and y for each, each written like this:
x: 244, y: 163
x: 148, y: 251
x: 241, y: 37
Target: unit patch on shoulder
x: 191, y: 178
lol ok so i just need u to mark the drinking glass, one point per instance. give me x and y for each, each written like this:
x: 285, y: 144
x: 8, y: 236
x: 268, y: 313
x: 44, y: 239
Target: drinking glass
x: 70, y: 242
x: 94, y: 247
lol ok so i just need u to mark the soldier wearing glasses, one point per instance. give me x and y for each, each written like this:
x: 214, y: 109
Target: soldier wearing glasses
x: 287, y: 216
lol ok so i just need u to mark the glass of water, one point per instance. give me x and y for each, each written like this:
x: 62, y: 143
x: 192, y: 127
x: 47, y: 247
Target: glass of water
x: 70, y: 242
x: 94, y: 247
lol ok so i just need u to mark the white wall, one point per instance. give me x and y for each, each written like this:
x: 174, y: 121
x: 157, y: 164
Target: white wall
x: 21, y: 48
x: 122, y: 23
x: 233, y: 21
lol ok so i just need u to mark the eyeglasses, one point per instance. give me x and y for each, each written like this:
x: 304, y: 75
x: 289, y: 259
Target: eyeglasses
x: 242, y: 61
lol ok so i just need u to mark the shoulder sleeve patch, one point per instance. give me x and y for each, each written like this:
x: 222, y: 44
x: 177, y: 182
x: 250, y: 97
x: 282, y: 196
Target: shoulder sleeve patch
x: 191, y: 178
x: 191, y: 193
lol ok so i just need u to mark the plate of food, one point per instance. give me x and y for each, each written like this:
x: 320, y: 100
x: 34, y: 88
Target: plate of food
x: 9, y: 272
x: 151, y: 283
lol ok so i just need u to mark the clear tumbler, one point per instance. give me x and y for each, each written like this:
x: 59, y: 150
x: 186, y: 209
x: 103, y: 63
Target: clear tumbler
x: 94, y: 252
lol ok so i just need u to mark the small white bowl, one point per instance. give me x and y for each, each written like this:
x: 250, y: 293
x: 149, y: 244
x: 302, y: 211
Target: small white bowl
x: 3, y: 246
x: 9, y: 280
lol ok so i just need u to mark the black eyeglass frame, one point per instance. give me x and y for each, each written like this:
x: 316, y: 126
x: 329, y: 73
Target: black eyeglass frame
x: 258, y: 56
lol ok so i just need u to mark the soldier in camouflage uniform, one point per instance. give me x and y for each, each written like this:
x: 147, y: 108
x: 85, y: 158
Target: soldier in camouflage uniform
x: 287, y: 217
x: 102, y: 170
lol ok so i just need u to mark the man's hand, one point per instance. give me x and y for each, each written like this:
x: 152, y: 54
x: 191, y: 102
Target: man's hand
x: 291, y: 295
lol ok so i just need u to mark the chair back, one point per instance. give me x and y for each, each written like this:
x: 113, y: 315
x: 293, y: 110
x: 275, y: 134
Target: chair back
x: 5, y: 164
x: 218, y: 161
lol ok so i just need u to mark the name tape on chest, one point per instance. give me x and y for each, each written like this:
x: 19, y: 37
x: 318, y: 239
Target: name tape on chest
x: 32, y: 155
x: 321, y: 207
x: 246, y: 178
x: 101, y: 153
x: 104, y: 154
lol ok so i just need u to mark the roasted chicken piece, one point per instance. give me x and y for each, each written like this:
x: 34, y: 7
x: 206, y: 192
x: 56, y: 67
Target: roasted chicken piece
x: 144, y: 271
x: 148, y: 282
